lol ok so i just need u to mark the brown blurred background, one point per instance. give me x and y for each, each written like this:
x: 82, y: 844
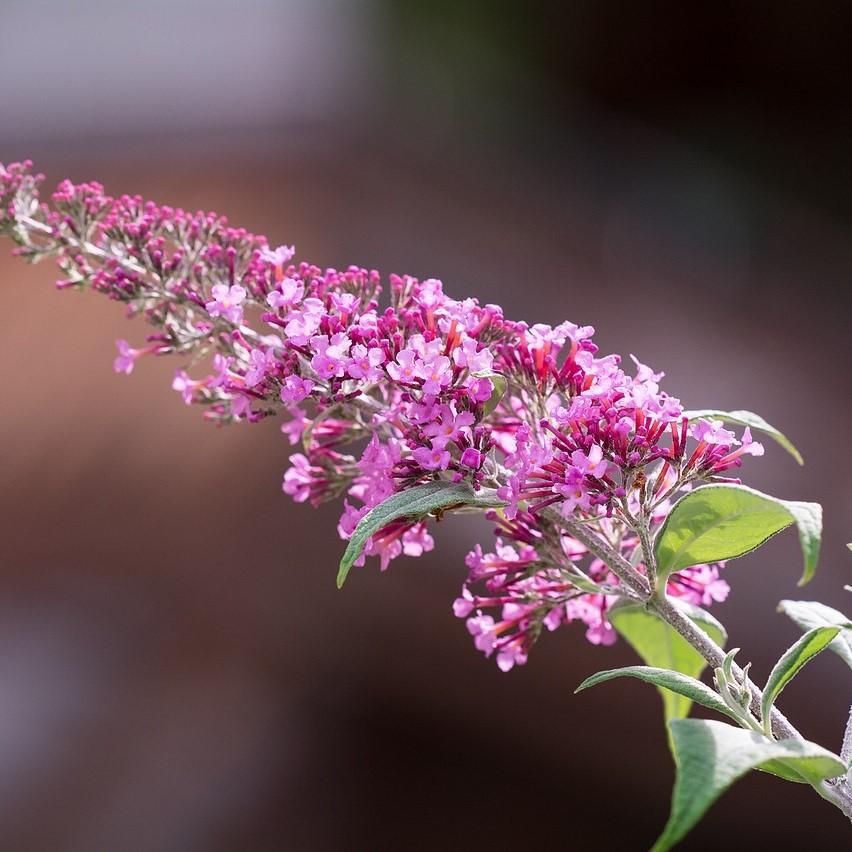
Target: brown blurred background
x: 177, y: 670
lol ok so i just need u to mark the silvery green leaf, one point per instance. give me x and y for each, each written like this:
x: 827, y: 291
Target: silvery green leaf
x: 810, y: 614
x: 673, y: 682
x: 793, y: 659
x: 710, y: 756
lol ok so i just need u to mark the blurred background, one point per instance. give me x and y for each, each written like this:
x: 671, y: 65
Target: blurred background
x: 177, y: 670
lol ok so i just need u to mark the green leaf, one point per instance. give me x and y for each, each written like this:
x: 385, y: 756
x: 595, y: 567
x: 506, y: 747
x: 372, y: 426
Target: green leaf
x: 661, y: 646
x: 413, y: 504
x: 671, y: 682
x: 808, y: 519
x: 710, y: 756
x: 783, y: 770
x: 719, y: 522
x: 748, y: 418
x: 810, y: 614
x: 498, y: 383
x: 791, y: 662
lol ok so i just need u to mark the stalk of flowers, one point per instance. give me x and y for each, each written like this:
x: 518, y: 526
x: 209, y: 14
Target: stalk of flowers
x: 429, y: 404
x: 383, y: 398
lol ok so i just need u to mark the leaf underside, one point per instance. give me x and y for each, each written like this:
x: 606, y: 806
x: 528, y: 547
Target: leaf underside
x: 805, y: 649
x: 711, y: 755
x: 810, y: 614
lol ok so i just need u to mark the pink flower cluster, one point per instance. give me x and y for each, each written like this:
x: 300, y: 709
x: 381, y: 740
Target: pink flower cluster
x: 430, y: 387
x: 518, y: 586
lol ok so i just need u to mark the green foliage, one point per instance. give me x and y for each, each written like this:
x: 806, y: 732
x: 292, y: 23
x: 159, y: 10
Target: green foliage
x: 719, y: 522
x: 660, y: 645
x: 667, y: 682
x: 807, y: 647
x: 499, y: 385
x: 748, y: 418
x: 710, y: 756
x: 810, y: 614
x: 413, y: 504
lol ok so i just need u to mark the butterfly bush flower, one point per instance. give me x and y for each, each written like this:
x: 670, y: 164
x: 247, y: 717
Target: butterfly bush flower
x: 125, y: 361
x: 227, y: 302
x: 386, y: 385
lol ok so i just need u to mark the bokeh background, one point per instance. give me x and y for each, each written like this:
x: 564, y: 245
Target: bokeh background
x: 177, y: 670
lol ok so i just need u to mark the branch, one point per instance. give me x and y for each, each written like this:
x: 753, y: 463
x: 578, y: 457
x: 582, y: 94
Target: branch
x: 836, y: 791
x: 619, y: 566
x: 846, y: 748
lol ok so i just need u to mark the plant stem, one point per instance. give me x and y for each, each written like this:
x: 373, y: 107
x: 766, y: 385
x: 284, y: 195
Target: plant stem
x: 836, y: 791
x: 714, y: 655
x: 846, y: 748
x: 647, y: 551
x: 668, y: 612
x: 632, y: 579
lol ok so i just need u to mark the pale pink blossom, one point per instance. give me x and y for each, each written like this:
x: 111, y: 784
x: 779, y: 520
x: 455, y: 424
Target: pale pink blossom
x: 261, y: 362
x: 126, y: 358
x: 712, y: 432
x: 287, y: 292
x: 227, y: 302
x: 436, y: 373
x: 450, y: 426
x: 469, y: 356
x: 295, y: 389
x: 278, y: 256
x: 366, y: 363
x: 185, y: 386
x: 402, y: 368
x: 433, y: 457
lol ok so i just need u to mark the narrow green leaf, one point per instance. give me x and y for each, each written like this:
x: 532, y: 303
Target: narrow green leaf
x: 719, y: 522
x: 748, y: 418
x: 673, y: 682
x: 810, y: 614
x: 710, y: 756
x: 413, y: 504
x: 728, y: 664
x: 807, y: 647
x: 661, y: 646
